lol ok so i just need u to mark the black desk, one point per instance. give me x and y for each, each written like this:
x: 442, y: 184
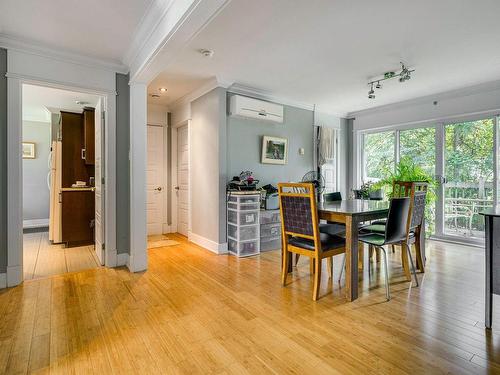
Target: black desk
x: 492, y: 247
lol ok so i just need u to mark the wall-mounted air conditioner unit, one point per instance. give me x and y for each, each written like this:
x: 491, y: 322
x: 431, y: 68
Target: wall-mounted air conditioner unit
x: 243, y: 106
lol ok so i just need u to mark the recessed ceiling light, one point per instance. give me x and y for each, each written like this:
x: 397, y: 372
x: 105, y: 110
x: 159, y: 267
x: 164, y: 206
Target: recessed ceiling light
x: 207, y: 52
x: 155, y: 95
x: 81, y: 102
x: 162, y: 89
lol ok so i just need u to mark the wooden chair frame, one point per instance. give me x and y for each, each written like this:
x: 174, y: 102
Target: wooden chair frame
x: 303, y: 190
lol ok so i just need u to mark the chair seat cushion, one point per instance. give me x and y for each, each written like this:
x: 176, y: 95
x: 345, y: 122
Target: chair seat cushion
x: 376, y: 239
x: 328, y: 242
x: 375, y: 228
x: 331, y: 228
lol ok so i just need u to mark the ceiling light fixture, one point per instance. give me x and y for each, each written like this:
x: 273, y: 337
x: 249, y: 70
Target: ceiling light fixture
x: 404, y: 75
x: 155, y: 95
x: 162, y: 89
x: 81, y: 102
x: 207, y: 52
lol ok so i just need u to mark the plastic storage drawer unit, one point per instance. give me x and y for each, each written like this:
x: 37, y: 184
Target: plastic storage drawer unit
x: 243, y: 225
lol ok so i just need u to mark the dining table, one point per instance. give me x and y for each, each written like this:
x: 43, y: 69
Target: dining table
x: 352, y: 212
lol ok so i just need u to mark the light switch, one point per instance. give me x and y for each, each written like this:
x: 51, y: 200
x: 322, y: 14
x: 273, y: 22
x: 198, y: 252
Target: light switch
x: 301, y: 151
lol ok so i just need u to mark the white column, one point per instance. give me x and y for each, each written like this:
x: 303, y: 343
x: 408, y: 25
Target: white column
x: 14, y: 183
x: 138, y: 260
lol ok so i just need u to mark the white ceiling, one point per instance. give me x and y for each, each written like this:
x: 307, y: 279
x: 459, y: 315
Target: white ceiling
x: 39, y: 101
x: 95, y: 28
x: 177, y: 86
x: 324, y: 51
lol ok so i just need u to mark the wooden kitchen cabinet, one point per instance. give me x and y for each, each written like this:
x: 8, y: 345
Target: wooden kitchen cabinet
x: 78, y: 213
x: 73, y: 167
x: 89, y: 135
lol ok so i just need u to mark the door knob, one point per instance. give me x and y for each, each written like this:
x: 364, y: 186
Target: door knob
x: 176, y: 188
x: 158, y: 188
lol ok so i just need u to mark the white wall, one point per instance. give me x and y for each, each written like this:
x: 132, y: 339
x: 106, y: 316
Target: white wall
x: 35, y: 190
x: 157, y: 114
x: 208, y: 170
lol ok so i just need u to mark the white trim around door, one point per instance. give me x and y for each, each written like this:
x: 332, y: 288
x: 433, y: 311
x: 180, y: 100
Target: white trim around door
x: 14, y: 171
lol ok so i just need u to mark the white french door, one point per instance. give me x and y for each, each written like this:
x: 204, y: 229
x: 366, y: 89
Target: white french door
x: 182, y: 188
x: 99, y: 174
x: 155, y: 176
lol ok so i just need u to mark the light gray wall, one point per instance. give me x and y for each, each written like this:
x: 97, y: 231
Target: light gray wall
x: 207, y: 150
x: 3, y: 161
x: 36, y: 197
x: 122, y: 164
x: 244, y: 146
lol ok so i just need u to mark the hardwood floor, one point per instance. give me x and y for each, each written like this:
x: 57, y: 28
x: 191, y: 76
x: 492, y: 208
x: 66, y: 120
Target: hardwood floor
x: 42, y: 259
x: 195, y: 312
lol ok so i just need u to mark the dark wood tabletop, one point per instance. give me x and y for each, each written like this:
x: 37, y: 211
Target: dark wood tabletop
x: 355, y: 207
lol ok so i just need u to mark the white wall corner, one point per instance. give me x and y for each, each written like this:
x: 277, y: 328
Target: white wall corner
x: 200, y: 91
x: 137, y: 262
x: 14, y: 275
x: 3, y: 280
x: 122, y: 259
x: 214, y: 247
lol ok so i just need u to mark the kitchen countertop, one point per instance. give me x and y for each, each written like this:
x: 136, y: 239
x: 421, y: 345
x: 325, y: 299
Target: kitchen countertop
x: 89, y: 188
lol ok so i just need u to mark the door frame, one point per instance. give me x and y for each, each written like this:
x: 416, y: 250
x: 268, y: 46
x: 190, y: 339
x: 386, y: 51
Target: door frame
x: 173, y: 199
x: 14, y: 171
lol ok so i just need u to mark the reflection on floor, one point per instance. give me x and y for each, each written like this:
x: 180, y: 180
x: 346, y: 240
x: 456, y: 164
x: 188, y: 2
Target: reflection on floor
x: 160, y: 240
x: 42, y: 259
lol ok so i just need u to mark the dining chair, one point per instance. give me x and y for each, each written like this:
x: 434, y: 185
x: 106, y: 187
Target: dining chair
x: 300, y: 230
x: 417, y: 192
x: 396, y: 233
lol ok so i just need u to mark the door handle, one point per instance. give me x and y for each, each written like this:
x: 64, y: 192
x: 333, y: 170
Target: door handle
x: 158, y: 188
x: 176, y: 188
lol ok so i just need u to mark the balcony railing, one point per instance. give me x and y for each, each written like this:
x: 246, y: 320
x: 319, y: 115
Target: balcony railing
x: 462, y: 216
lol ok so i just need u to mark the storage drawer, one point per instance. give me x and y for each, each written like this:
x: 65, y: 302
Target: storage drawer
x: 244, y: 198
x: 243, y: 218
x: 267, y: 230
x: 243, y: 249
x: 270, y: 243
x: 270, y: 216
x: 244, y: 233
x: 244, y: 206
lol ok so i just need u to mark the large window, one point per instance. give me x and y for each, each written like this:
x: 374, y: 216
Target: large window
x: 378, y: 155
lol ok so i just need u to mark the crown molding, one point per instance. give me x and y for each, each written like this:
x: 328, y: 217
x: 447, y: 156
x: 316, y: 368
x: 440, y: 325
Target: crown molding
x: 200, y: 91
x: 428, y: 99
x: 40, y: 49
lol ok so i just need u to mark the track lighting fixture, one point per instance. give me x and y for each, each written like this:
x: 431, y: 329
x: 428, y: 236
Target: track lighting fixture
x: 404, y: 75
x: 371, y: 93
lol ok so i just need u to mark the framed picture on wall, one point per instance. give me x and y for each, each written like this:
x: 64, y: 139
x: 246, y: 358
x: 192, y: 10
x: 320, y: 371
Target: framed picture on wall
x: 274, y: 150
x: 28, y: 150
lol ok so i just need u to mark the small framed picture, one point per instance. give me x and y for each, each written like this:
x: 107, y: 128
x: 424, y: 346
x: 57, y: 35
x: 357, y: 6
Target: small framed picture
x: 28, y: 150
x: 274, y: 150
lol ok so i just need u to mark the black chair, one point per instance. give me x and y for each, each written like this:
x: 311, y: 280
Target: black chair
x: 332, y: 228
x: 396, y: 233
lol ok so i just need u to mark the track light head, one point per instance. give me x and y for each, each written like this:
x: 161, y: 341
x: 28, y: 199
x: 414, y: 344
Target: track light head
x: 378, y: 86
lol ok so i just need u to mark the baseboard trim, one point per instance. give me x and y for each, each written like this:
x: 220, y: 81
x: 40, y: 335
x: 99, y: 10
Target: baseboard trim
x: 35, y: 223
x: 122, y: 259
x: 214, y: 247
x: 3, y: 280
x: 14, y: 275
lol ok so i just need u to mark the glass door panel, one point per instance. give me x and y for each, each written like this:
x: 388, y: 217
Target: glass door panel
x: 378, y: 155
x: 420, y: 145
x: 469, y: 175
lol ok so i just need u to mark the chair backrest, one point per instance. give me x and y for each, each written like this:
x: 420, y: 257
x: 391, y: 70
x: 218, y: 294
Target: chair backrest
x: 397, y: 220
x: 299, y: 214
x: 332, y: 197
x: 417, y: 192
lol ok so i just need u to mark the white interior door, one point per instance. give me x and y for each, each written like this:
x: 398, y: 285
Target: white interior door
x: 99, y: 174
x: 155, y: 178
x: 182, y: 187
